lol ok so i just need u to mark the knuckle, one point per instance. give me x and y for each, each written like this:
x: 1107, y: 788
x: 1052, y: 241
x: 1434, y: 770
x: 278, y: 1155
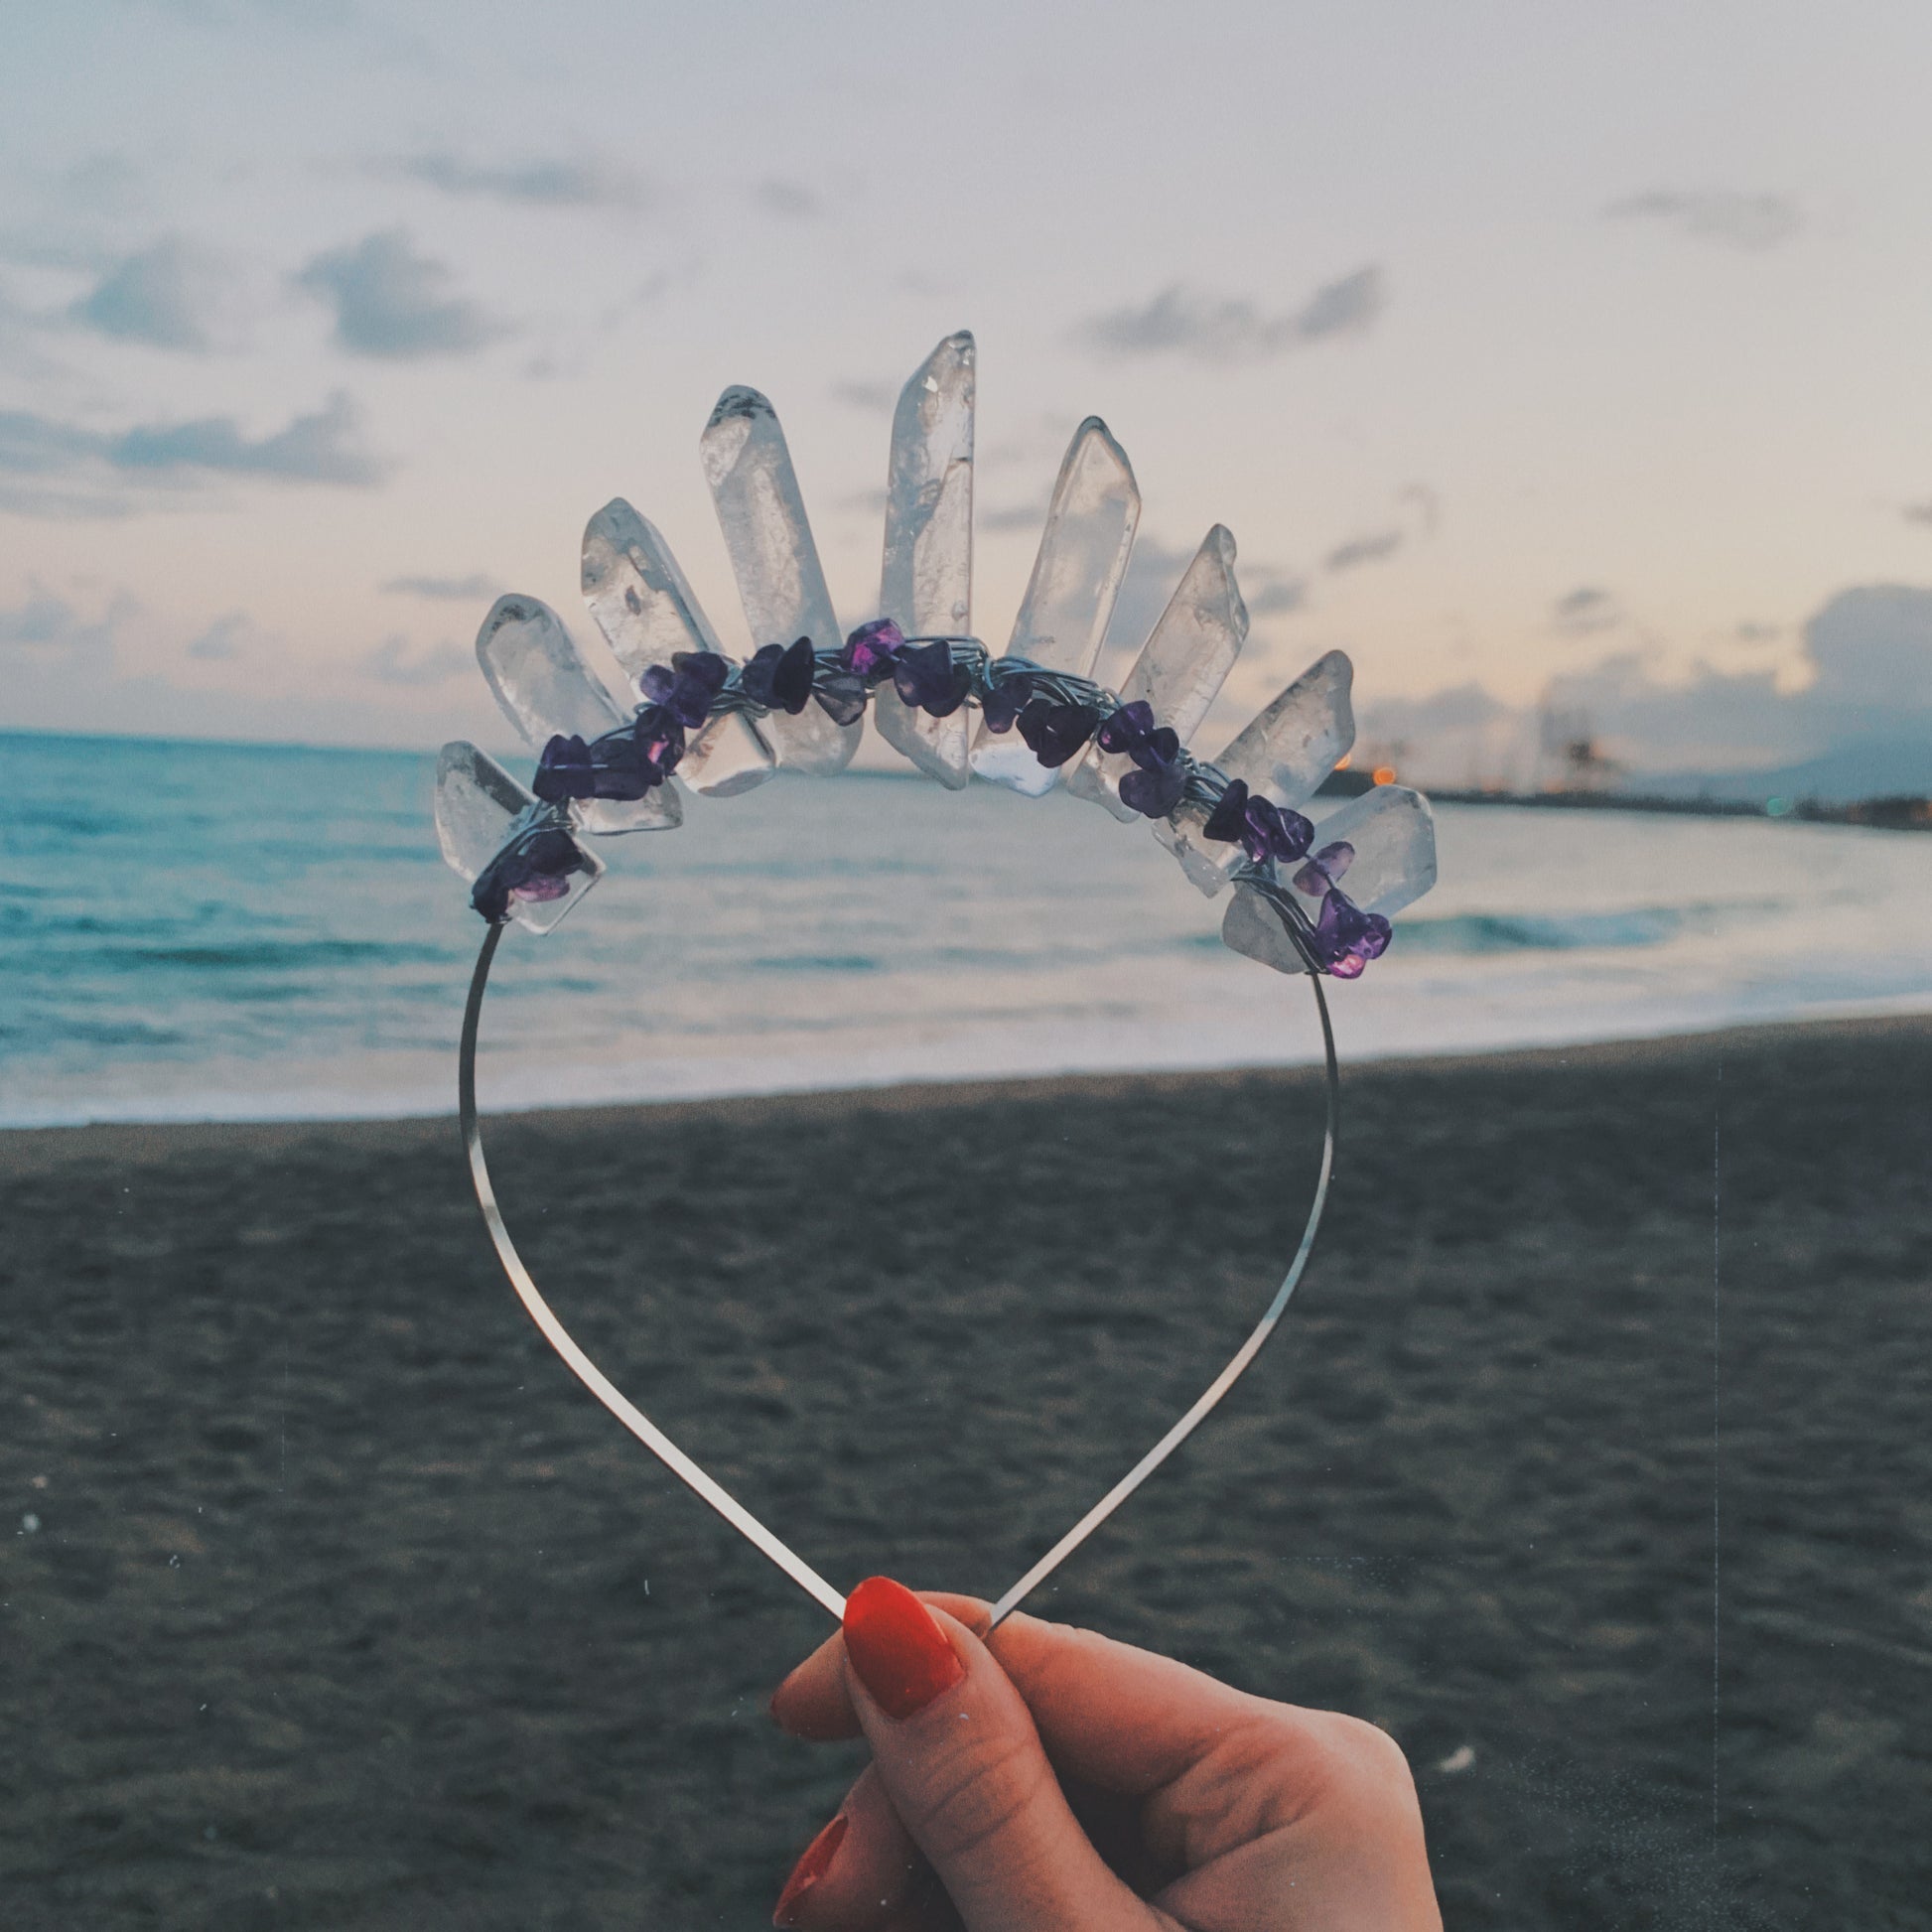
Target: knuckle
x: 977, y: 1797
x: 1369, y: 1768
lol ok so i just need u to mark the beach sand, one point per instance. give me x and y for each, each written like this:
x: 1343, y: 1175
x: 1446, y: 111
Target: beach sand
x: 345, y: 1607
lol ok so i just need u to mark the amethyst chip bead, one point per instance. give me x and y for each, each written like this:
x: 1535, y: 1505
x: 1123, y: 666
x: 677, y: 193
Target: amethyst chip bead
x: 1055, y: 732
x: 872, y: 651
x: 687, y: 686
x: 928, y: 680
x: 607, y: 767
x: 779, y: 677
x: 537, y: 867
x: 1158, y: 782
x: 1264, y: 830
x: 1346, y: 938
x: 1132, y: 730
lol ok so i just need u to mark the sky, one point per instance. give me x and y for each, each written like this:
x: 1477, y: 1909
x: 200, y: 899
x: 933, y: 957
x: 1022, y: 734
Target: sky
x: 1541, y: 355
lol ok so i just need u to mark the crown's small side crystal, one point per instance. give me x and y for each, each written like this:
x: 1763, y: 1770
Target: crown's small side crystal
x: 648, y: 613
x: 1389, y: 836
x: 478, y: 807
x: 1183, y: 666
x: 779, y: 580
x: 1282, y: 756
x: 1254, y: 928
x: 546, y: 688
x: 1368, y: 861
x: 1076, y: 577
x: 926, y: 583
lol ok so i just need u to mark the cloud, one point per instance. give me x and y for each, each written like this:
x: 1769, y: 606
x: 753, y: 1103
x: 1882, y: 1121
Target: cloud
x: 161, y: 296
x: 1427, y: 505
x: 324, y: 448
x: 1872, y: 647
x: 232, y: 635
x: 1275, y: 595
x: 1154, y: 569
x: 1732, y: 219
x: 1374, y: 548
x: 1585, y: 611
x: 49, y: 622
x: 389, y: 301
x: 871, y: 397
x: 453, y: 589
x: 791, y: 201
x: 1860, y: 722
x: 1918, y: 512
x: 540, y: 183
x: 1225, y: 329
x: 1752, y: 632
x: 1013, y: 516
x: 395, y: 661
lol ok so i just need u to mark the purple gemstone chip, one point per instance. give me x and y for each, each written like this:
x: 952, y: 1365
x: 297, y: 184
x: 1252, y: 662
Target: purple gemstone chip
x: 873, y: 649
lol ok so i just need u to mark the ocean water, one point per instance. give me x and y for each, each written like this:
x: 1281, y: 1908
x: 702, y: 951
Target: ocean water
x: 210, y: 931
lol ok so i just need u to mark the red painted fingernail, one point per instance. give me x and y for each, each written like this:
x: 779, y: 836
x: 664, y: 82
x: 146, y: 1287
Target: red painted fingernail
x: 809, y: 1870
x: 901, y: 1656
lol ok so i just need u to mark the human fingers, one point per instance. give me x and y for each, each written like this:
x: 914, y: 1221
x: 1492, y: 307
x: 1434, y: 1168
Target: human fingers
x: 959, y: 1757
x: 813, y: 1703
x: 862, y: 1872
x: 1120, y: 1718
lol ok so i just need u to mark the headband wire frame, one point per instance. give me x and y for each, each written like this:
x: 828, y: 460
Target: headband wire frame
x: 720, y: 1499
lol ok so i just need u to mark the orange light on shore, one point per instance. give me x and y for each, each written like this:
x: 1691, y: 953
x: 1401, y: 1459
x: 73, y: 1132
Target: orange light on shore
x: 1383, y: 774
x: 1341, y: 764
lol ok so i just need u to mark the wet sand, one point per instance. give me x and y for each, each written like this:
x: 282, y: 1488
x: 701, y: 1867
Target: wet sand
x: 344, y: 1607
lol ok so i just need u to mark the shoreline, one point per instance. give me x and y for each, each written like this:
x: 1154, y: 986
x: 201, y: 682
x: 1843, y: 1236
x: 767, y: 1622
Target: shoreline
x: 893, y: 1090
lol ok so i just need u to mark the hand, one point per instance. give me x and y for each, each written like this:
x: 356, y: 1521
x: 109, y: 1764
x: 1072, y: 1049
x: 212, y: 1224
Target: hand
x: 1048, y: 1780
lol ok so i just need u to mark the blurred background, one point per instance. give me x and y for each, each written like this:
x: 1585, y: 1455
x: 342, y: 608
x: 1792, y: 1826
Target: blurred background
x: 1564, y: 364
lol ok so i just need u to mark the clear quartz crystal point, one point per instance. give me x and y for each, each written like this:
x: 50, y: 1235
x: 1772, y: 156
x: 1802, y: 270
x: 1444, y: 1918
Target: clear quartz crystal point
x: 1393, y: 864
x: 1076, y: 577
x: 1254, y: 928
x: 648, y: 613
x: 545, y: 687
x: 1282, y: 755
x: 1183, y: 669
x: 926, y: 584
x: 1393, y: 835
x: 779, y: 581
x: 478, y: 806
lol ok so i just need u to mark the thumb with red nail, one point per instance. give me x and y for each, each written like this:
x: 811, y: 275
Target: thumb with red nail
x: 1048, y: 1780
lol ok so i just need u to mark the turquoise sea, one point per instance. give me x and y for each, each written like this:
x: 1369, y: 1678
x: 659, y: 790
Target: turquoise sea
x: 228, y: 932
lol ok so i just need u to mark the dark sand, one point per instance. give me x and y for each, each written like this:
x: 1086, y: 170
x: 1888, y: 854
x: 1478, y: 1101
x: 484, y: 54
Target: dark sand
x: 348, y: 1609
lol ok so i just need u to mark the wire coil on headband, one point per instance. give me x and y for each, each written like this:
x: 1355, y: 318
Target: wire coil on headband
x: 765, y: 1541
x: 1031, y: 719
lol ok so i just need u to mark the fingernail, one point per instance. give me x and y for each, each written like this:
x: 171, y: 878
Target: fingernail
x: 901, y: 1656
x: 809, y: 1870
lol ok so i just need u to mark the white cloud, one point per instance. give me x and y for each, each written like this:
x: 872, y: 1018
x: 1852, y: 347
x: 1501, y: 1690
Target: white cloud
x: 396, y: 661
x: 1224, y: 329
x: 163, y: 296
x: 458, y: 590
x: 542, y: 182
x: 64, y: 468
x: 389, y: 301
x: 1724, y: 215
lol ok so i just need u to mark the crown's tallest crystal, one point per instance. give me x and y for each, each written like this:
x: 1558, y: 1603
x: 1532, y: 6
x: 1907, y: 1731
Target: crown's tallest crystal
x: 926, y: 584
x: 1076, y: 577
x: 780, y: 581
